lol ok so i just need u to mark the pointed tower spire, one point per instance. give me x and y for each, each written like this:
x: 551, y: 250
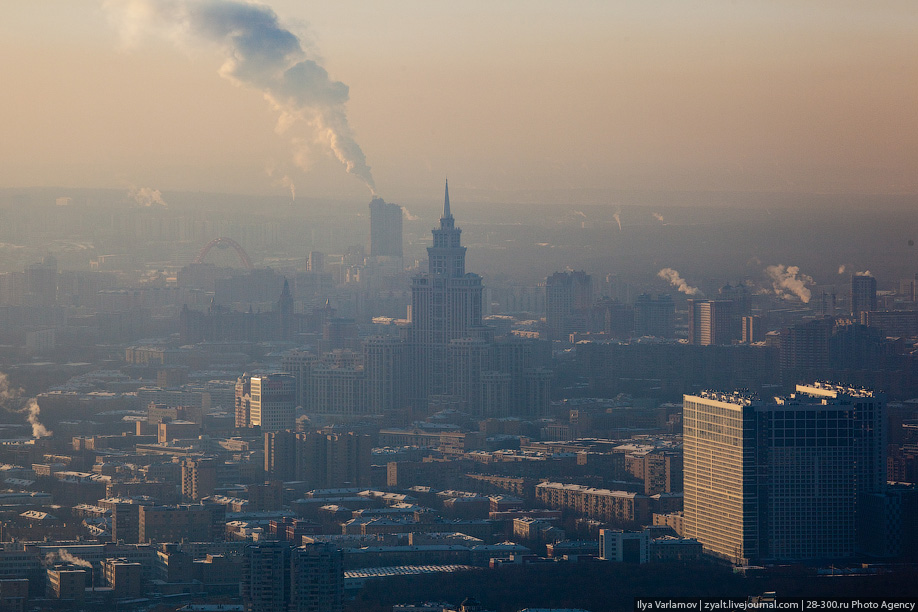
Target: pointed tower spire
x: 446, y: 213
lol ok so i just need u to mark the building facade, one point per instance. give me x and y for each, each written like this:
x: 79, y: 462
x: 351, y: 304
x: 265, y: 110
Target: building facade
x: 781, y: 480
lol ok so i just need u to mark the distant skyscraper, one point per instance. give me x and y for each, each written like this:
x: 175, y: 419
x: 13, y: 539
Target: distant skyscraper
x: 863, y: 294
x: 385, y: 229
x: 568, y: 300
x: 272, y: 402
x: 781, y: 480
x: 710, y: 322
x: 654, y: 316
x: 445, y: 306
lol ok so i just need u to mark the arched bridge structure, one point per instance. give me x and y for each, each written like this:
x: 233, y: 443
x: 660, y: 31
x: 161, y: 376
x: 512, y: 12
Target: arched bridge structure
x: 243, y: 256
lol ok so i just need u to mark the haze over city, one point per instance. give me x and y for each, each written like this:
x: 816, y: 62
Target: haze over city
x: 507, y: 98
x: 458, y: 307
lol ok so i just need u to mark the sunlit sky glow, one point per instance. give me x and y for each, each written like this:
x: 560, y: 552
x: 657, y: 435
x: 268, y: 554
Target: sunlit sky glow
x: 516, y: 95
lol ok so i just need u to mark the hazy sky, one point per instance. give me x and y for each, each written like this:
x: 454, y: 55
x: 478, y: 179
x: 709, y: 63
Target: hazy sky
x: 809, y: 96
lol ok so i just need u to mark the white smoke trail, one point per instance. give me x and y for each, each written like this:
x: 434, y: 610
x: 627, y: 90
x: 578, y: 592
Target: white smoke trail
x: 262, y: 55
x: 408, y: 216
x: 32, y: 410
x: 678, y: 282
x: 841, y: 269
x: 658, y: 217
x: 64, y: 555
x: 864, y: 273
x: 618, y: 219
x: 10, y: 395
x: 287, y: 182
x: 145, y: 196
x: 787, y: 281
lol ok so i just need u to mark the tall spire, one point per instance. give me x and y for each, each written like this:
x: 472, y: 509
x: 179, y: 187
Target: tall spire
x: 446, y: 213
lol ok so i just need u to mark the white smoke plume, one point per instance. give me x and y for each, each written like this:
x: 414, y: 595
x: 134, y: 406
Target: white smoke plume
x: 841, y: 269
x: 7, y: 394
x: 287, y: 182
x: 864, y: 273
x: 64, y: 555
x: 678, y: 282
x: 408, y: 216
x: 658, y: 217
x: 787, y: 281
x: 262, y: 55
x: 10, y: 395
x: 618, y: 219
x: 145, y: 196
x: 32, y: 410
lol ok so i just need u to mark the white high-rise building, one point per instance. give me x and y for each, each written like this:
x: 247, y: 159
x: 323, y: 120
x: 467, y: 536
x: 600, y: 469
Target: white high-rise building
x: 780, y: 480
x: 273, y: 402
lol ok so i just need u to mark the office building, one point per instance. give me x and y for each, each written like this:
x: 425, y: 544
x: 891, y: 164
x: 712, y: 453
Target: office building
x: 277, y: 576
x: 272, y: 403
x: 65, y: 581
x: 568, y: 302
x: 710, y: 322
x: 445, y: 306
x: 199, y: 478
x: 753, y: 329
x: 863, y: 294
x: 265, y: 583
x: 316, y: 578
x: 654, y: 316
x: 780, y: 480
x: 385, y: 229
x: 280, y: 455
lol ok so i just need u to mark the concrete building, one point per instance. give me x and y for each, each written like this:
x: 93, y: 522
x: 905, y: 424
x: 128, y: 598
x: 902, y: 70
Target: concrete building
x: 67, y: 582
x: 273, y: 402
x: 654, y: 316
x: 316, y: 578
x: 780, y: 480
x: 568, y: 301
x: 863, y: 294
x: 710, y: 322
x: 445, y: 306
x: 123, y: 576
x: 199, y: 478
x: 385, y: 229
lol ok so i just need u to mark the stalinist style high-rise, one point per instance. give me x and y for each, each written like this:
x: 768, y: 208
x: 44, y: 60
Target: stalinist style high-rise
x: 445, y: 306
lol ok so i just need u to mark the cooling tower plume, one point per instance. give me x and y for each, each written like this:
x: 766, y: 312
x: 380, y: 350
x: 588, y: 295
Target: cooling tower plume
x: 262, y: 55
x: 788, y: 282
x: 678, y: 282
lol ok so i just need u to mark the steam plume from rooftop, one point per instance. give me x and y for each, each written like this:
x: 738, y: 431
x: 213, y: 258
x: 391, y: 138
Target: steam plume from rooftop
x: 676, y: 280
x: 787, y: 281
x: 265, y: 56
